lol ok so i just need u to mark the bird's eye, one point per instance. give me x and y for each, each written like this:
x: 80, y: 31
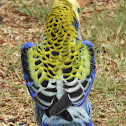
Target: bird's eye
x: 78, y: 10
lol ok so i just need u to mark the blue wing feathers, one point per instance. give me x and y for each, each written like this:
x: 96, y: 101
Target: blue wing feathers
x: 38, y: 115
x: 87, y: 108
x: 91, y: 77
x: 27, y: 45
x: 88, y: 43
x: 28, y: 80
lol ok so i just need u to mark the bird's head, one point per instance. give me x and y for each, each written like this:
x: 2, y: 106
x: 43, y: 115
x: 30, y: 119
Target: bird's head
x: 76, y: 7
x: 73, y: 4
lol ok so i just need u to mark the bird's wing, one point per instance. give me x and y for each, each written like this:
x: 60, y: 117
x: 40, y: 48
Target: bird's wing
x: 80, y: 88
x: 41, y: 89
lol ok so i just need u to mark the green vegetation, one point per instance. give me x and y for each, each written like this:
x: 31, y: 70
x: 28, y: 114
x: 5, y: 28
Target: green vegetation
x: 107, y: 30
x: 33, y: 8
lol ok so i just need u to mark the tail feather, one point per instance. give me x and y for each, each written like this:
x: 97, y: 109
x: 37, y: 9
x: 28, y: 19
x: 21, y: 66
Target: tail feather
x: 69, y: 124
x: 81, y: 116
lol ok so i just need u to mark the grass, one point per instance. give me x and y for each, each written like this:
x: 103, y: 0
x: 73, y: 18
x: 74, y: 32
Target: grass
x: 105, y: 28
x: 33, y: 8
x: 108, y: 30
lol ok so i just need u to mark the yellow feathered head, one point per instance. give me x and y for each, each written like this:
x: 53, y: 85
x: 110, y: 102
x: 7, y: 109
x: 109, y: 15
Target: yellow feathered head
x: 74, y: 3
x: 76, y: 7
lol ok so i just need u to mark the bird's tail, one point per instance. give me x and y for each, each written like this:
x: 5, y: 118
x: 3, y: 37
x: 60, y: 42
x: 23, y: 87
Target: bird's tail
x: 43, y: 120
x: 70, y: 124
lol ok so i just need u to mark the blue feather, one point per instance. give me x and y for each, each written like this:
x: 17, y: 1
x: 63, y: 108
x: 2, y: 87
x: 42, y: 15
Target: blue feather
x: 27, y: 45
x: 88, y: 43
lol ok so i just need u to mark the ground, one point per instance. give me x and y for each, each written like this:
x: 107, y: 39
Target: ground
x: 102, y: 21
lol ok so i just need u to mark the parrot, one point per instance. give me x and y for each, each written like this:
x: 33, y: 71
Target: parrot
x: 59, y: 72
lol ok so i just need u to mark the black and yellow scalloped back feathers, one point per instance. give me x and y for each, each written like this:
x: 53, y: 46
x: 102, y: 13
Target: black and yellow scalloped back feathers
x: 61, y: 55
